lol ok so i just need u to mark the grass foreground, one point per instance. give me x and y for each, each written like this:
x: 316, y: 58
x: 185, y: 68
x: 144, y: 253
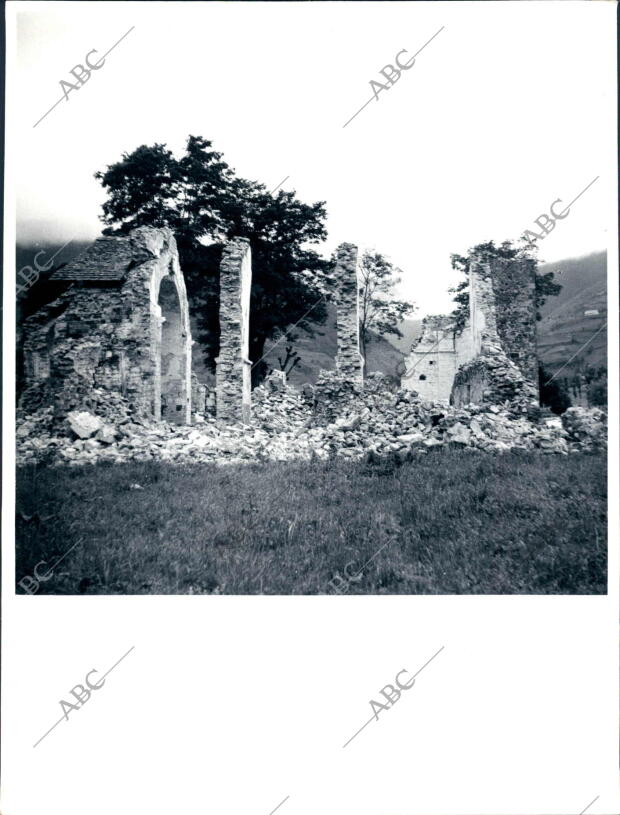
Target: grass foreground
x: 449, y: 522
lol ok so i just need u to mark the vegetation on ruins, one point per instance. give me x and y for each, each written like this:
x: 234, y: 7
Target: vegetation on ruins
x: 205, y: 203
x: 447, y: 522
x: 545, y: 286
x: 380, y: 312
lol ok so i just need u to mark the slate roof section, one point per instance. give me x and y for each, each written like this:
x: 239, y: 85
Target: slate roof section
x: 106, y: 260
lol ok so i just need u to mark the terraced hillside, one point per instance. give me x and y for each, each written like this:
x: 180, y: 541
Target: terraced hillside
x: 574, y: 322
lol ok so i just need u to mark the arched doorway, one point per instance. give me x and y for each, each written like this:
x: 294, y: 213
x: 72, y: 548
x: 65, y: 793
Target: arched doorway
x: 172, y: 357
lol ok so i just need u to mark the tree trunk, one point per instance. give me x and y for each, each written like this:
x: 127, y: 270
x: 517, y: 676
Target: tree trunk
x: 259, y: 366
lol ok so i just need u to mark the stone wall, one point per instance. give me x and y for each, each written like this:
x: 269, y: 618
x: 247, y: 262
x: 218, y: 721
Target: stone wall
x: 491, y: 376
x: 349, y: 360
x: 122, y: 328
x: 199, y: 397
x: 435, y: 358
x: 493, y: 359
x: 514, y: 285
x: 233, y: 368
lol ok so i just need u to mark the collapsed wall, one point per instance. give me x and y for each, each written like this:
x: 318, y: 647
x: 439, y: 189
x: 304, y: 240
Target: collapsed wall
x: 493, y: 357
x: 514, y: 286
x: 491, y: 375
x: 121, y: 328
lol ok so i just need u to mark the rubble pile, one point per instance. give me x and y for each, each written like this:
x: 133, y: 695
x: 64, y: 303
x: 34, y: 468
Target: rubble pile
x: 332, y: 419
x: 586, y: 428
x: 493, y: 377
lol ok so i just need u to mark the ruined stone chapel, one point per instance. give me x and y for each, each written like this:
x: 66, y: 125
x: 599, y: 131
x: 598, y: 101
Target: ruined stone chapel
x: 123, y: 326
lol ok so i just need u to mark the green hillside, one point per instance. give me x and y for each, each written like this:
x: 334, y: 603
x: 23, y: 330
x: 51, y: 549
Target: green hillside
x: 411, y: 330
x: 319, y: 352
x: 574, y: 322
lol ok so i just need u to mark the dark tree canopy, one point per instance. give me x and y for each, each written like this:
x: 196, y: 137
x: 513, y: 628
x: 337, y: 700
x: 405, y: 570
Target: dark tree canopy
x: 545, y: 287
x: 553, y: 392
x: 203, y: 201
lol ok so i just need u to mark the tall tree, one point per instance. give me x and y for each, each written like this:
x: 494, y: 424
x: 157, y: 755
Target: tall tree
x: 380, y: 311
x: 545, y: 287
x: 205, y: 203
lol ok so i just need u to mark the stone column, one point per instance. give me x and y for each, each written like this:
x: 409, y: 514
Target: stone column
x: 349, y: 361
x: 233, y: 368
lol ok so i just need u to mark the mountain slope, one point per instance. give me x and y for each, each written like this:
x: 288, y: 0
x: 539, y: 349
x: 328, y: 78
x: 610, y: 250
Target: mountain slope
x: 411, y: 331
x: 567, y: 329
x: 319, y: 352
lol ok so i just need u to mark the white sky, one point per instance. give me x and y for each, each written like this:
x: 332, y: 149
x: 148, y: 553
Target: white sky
x: 510, y: 107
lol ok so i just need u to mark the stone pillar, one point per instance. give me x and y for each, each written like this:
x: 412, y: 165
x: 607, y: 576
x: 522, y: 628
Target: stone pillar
x: 233, y: 368
x: 349, y: 361
x: 482, y: 311
x: 514, y: 284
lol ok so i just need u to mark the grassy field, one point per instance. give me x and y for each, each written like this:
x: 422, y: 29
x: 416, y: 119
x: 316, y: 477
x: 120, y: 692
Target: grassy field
x: 449, y: 522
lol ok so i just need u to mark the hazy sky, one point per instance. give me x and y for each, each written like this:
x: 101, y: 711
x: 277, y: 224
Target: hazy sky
x: 509, y: 108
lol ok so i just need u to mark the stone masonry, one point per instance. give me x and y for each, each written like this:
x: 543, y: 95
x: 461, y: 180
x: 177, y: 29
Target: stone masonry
x: 491, y: 375
x: 514, y: 285
x: 349, y: 360
x: 233, y: 368
x: 493, y: 358
x: 435, y: 358
x: 121, y: 328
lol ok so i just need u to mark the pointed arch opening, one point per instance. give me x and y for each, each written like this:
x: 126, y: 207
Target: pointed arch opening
x: 172, y: 396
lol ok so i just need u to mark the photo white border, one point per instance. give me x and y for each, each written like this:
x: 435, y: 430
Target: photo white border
x: 230, y: 704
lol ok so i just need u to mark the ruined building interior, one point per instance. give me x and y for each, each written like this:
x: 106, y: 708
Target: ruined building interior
x: 494, y: 353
